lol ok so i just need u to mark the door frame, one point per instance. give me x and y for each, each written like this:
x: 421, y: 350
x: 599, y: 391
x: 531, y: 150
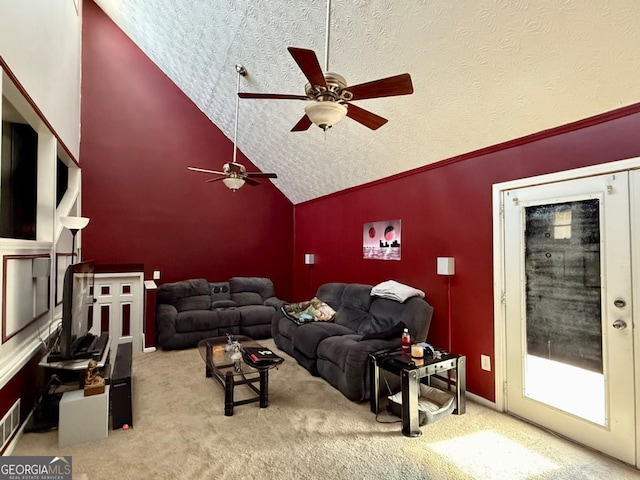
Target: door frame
x: 499, y: 310
x: 634, y: 212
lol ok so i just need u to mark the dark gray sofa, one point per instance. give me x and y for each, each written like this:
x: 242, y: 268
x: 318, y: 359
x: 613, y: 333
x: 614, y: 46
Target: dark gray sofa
x: 338, y: 351
x: 191, y: 310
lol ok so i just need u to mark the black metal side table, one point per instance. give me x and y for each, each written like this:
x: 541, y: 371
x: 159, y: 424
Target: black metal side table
x: 412, y: 371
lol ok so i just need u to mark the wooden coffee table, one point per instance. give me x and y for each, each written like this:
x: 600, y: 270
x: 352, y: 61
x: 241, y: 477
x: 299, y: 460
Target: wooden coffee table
x: 230, y: 373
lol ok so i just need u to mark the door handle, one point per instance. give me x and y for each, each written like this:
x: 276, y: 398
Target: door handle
x: 619, y: 324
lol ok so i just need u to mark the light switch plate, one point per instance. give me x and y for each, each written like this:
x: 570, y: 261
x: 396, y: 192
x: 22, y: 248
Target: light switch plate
x: 485, y: 362
x: 156, y: 274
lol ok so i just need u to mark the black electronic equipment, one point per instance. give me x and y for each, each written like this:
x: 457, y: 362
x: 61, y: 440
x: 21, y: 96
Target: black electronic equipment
x: 77, y: 310
x: 121, y: 392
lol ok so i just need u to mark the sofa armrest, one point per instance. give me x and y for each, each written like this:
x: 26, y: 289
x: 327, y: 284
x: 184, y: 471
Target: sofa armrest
x: 364, y: 348
x: 274, y: 302
x: 358, y: 356
x: 356, y: 366
x: 165, y: 322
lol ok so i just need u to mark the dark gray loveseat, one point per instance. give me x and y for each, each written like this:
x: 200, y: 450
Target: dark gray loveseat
x: 338, y: 351
x: 191, y: 310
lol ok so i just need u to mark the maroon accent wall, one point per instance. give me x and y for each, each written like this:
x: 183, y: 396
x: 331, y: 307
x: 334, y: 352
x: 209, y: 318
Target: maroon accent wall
x: 446, y: 210
x: 26, y: 385
x: 139, y: 133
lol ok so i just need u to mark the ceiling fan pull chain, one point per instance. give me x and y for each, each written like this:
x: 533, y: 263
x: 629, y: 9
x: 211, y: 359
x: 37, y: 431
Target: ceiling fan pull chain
x: 326, y: 47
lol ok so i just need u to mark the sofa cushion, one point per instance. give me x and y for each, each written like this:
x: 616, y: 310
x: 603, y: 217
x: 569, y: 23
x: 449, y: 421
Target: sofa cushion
x: 196, y: 320
x: 223, y: 304
x: 172, y: 293
x: 196, y: 302
x: 307, y: 337
x: 285, y: 327
x: 331, y: 293
x: 256, y: 315
x: 246, y: 298
x: 229, y: 317
x: 393, y: 333
x: 414, y: 312
x: 351, y: 318
x: 336, y: 349
x: 357, y: 296
x: 356, y: 299
x: 260, y: 285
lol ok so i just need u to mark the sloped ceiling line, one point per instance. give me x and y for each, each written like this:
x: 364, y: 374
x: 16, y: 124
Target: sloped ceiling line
x: 484, y: 72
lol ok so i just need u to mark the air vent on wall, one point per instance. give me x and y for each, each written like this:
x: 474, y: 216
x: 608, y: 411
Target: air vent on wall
x: 9, y: 424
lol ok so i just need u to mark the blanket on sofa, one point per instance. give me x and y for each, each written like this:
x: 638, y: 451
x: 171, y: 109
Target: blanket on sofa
x: 395, y: 291
x: 314, y: 310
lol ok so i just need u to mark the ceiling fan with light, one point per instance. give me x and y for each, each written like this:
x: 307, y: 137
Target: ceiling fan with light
x: 233, y: 174
x: 330, y: 95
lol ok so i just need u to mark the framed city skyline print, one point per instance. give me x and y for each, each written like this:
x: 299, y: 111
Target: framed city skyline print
x: 382, y: 240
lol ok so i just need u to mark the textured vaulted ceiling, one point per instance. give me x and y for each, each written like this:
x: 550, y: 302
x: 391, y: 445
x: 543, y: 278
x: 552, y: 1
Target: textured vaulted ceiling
x: 484, y: 71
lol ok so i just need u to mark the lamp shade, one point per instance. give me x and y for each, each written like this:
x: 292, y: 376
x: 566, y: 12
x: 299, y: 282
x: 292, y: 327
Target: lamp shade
x: 326, y: 114
x: 446, y: 266
x: 74, y: 223
x: 233, y: 183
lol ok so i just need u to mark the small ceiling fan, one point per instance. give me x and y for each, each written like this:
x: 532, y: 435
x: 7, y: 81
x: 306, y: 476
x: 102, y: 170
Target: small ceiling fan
x: 234, y: 175
x: 330, y: 94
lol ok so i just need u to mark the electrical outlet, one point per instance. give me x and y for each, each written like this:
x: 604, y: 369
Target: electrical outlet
x: 485, y: 362
x: 156, y: 274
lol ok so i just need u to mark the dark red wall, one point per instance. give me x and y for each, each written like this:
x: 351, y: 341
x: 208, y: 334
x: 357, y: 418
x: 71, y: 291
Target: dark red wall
x: 27, y: 385
x: 139, y: 133
x: 446, y: 210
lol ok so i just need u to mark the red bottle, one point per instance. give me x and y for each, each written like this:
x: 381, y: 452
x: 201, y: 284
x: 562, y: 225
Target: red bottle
x: 406, y: 342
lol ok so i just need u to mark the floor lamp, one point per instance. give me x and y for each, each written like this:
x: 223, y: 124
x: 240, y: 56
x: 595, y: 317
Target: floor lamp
x: 74, y: 225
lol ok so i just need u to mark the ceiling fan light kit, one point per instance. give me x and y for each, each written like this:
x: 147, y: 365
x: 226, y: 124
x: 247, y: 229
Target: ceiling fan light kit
x: 326, y: 114
x: 233, y: 183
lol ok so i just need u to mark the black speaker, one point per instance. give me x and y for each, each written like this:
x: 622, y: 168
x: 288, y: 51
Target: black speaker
x: 121, y: 392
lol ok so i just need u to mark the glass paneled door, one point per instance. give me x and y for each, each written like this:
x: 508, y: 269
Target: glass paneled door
x: 568, y: 310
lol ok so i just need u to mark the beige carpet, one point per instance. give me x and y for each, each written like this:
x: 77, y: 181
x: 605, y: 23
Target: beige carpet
x: 309, y: 431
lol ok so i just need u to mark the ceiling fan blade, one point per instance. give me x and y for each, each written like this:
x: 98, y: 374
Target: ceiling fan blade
x: 251, y: 181
x: 303, y: 124
x: 263, y: 175
x: 365, y: 117
x: 385, y: 87
x: 204, y: 170
x: 272, y: 96
x: 308, y: 63
x: 215, y: 179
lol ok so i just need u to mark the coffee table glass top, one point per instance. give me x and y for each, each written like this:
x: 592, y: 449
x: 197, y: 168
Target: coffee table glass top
x: 228, y: 364
x: 217, y: 355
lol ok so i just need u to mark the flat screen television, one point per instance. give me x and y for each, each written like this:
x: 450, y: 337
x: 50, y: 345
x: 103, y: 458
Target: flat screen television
x: 77, y: 309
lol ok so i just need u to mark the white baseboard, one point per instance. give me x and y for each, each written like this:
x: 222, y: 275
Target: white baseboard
x: 18, y: 436
x: 436, y: 382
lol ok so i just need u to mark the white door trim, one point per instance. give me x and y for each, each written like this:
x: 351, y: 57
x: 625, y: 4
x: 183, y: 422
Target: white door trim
x: 633, y: 166
x: 634, y: 184
x: 498, y: 255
